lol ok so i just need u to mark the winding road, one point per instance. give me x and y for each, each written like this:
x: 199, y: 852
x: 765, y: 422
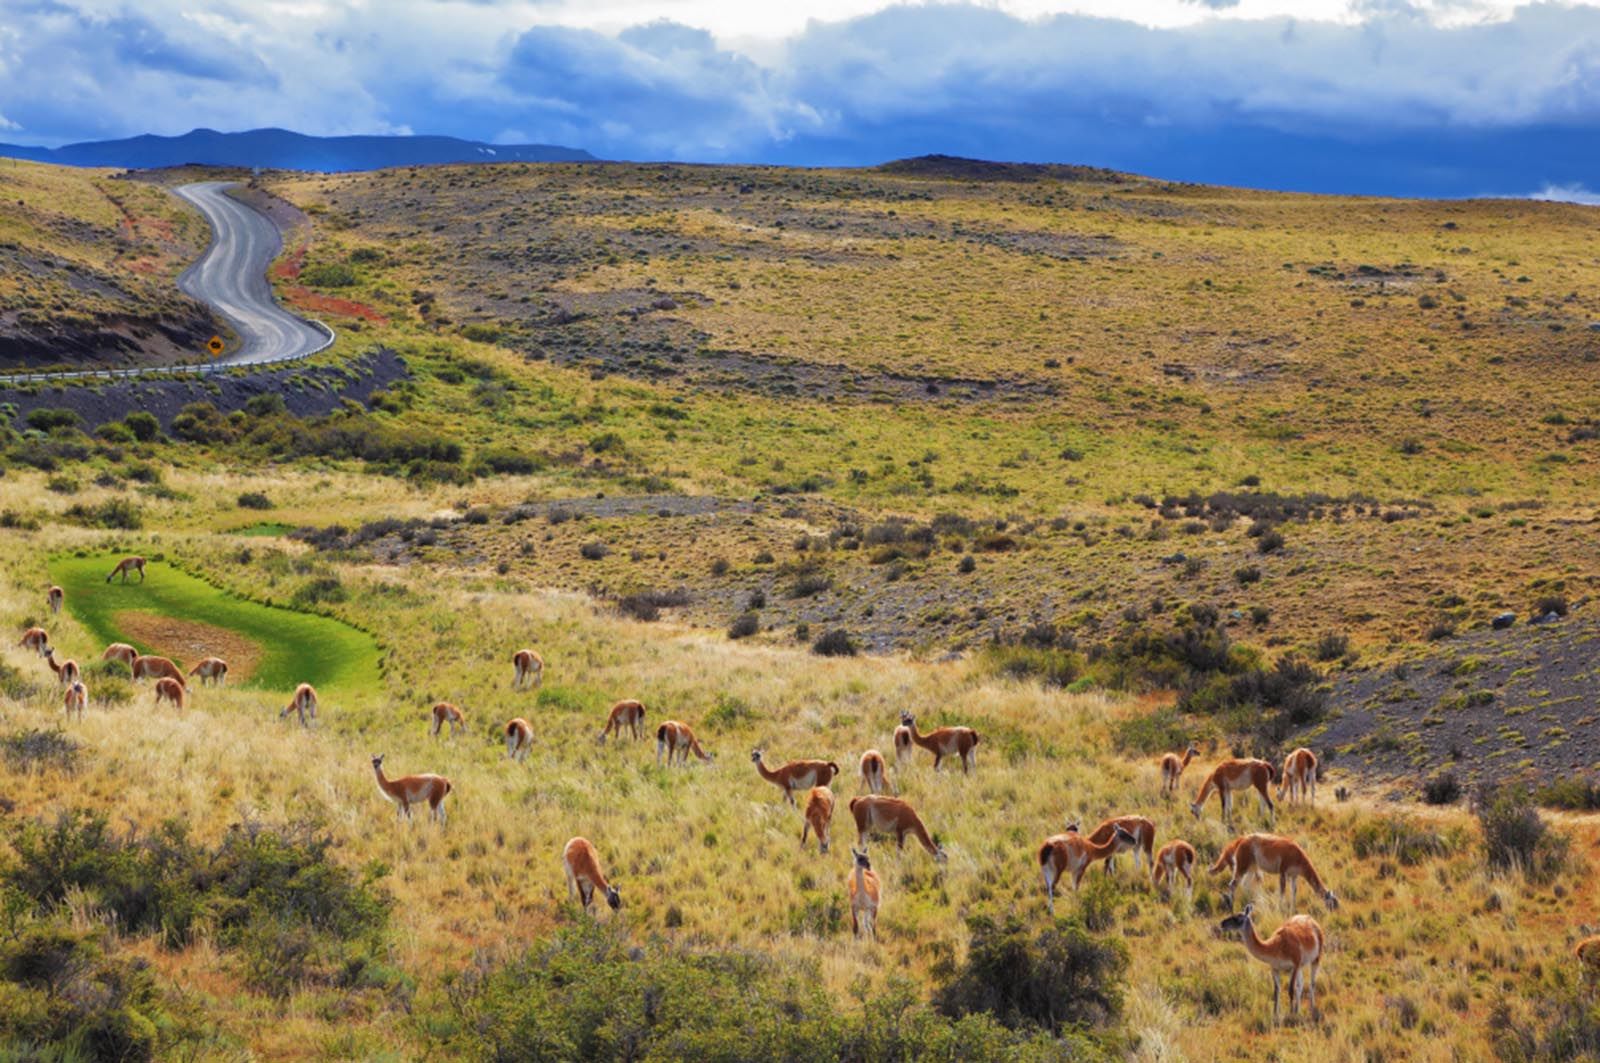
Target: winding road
x: 231, y: 278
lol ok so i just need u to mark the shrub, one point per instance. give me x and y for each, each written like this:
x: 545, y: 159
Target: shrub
x: 201, y: 422
x: 318, y: 591
x: 112, y: 513
x: 254, y: 500
x: 1331, y: 647
x: 1269, y: 541
x: 1550, y: 603
x: 1247, y: 575
x: 33, y: 748
x: 68, y: 997
x: 1515, y: 836
x: 835, y: 643
x: 647, y: 605
x: 1157, y: 732
x: 1442, y: 789
x: 809, y: 584
x: 1573, y: 795
x: 594, y: 550
x: 1398, y: 838
x: 744, y: 625
x: 48, y: 419
x: 1051, y: 666
x: 328, y: 275
x: 968, y: 563
x: 143, y: 425
x: 1560, y: 1022
x: 507, y: 462
x: 115, y: 432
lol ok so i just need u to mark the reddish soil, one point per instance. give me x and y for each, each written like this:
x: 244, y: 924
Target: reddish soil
x: 186, y: 642
x: 306, y: 299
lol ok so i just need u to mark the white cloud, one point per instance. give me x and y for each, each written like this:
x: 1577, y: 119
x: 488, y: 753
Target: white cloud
x: 1567, y: 194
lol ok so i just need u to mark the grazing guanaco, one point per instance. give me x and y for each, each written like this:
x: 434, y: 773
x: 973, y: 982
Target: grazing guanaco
x: 36, y: 639
x: 945, y: 742
x: 1174, y: 859
x: 67, y: 671
x: 529, y: 669
x: 796, y: 775
x: 1588, y: 952
x: 626, y: 713
x: 1270, y: 854
x: 892, y: 815
x: 874, y: 773
x: 1172, y: 767
x: 213, y: 668
x: 77, y: 699
x: 819, y: 816
x: 152, y: 667
x: 303, y: 702
x: 903, y: 746
x: 1299, y: 776
x: 519, y: 738
x: 120, y: 651
x: 864, y: 890
x: 444, y: 712
x: 55, y: 596
x: 584, y: 876
x: 1233, y: 775
x: 168, y: 689
x: 1143, y: 831
x: 125, y: 566
x: 411, y: 790
x: 1072, y: 853
x: 676, y: 739
x: 1295, y: 948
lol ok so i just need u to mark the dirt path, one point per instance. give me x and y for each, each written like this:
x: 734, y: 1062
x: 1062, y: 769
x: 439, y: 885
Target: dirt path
x: 186, y: 641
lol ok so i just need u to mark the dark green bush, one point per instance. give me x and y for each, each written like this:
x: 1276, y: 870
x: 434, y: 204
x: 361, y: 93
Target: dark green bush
x: 254, y: 500
x: 266, y: 404
x: 328, y: 275
x: 48, y: 419
x: 201, y: 422
x: 318, y: 591
x: 1399, y: 838
x: 1442, y: 789
x: 34, y: 748
x: 143, y: 425
x: 112, y: 513
x: 1047, y: 664
x: 1515, y: 836
x: 744, y: 625
x: 835, y: 643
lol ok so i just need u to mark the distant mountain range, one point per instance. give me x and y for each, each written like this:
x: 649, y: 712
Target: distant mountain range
x: 281, y: 149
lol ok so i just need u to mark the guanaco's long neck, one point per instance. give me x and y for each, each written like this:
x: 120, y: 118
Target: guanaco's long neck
x: 1104, y: 849
x: 767, y: 773
x: 1313, y: 879
x: 1206, y: 788
x: 921, y: 834
x: 384, y: 783
x: 1188, y: 755
x: 50, y: 659
x: 1261, y: 950
x: 861, y: 881
x: 918, y: 737
x: 694, y: 745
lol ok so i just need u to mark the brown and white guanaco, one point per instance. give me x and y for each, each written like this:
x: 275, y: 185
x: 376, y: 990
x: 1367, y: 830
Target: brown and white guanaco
x: 1299, y: 778
x: 626, y: 713
x: 152, y: 667
x: 55, y: 596
x: 67, y: 672
x: 875, y: 814
x: 796, y: 774
x: 864, y: 890
x: 169, y: 689
x: 77, y: 699
x: 819, y: 816
x: 36, y: 639
x: 528, y: 669
x: 214, y: 669
x: 945, y: 742
x: 1295, y: 948
x: 125, y: 566
x: 304, y: 702
x: 1073, y: 854
x: 584, y: 876
x: 874, y: 772
x: 519, y: 738
x: 903, y: 746
x: 1172, y: 767
x: 676, y: 740
x: 1173, y: 859
x: 1144, y: 835
x: 120, y: 651
x: 410, y: 790
x: 443, y: 712
x: 1235, y: 775
x: 1271, y: 854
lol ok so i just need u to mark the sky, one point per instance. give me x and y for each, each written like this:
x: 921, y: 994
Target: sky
x: 1429, y: 97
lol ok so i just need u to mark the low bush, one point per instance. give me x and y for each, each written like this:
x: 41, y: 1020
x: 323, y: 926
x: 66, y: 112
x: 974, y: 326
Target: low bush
x: 594, y: 550
x: 1331, y: 647
x: 143, y: 425
x: 112, y: 513
x: 744, y: 625
x: 809, y: 584
x: 647, y: 604
x: 254, y: 500
x: 1570, y: 794
x: 1442, y: 789
x: 1399, y: 838
x: 328, y: 275
x: 1051, y: 666
x: 37, y: 749
x: 319, y: 591
x: 1515, y: 836
x: 835, y: 643
x: 48, y: 419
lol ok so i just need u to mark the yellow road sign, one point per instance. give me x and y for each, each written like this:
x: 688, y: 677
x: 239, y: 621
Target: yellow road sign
x: 215, y: 346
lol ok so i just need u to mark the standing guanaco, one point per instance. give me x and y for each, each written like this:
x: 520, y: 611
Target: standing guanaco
x: 1296, y: 948
x: 1299, y: 776
x: 675, y: 739
x: 1144, y: 834
x: 168, y: 689
x: 410, y: 790
x: 152, y: 667
x: 626, y: 713
x: 903, y: 746
x: 945, y: 742
x: 892, y: 815
x: 213, y: 668
x: 1271, y: 854
x: 1172, y: 769
x: 874, y: 773
x: 1072, y: 853
x: 120, y: 651
x: 126, y: 565
x: 519, y: 738
x: 1175, y: 858
x: 444, y: 712
x: 55, y: 596
x: 304, y: 702
x: 529, y: 669
x: 819, y: 816
x: 795, y: 775
x: 36, y: 639
x: 77, y: 699
x: 1233, y: 775
x: 584, y: 876
x: 67, y: 672
x: 864, y: 890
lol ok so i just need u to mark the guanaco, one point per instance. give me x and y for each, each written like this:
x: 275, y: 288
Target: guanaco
x: 945, y: 742
x: 413, y: 789
x: 77, y: 699
x: 819, y: 816
x: 874, y: 773
x: 1270, y: 854
x: 444, y: 712
x: 1299, y: 776
x: 36, y: 639
x: 864, y: 890
x: 1233, y: 775
x: 903, y: 746
x: 1172, y: 767
x: 126, y: 565
x: 67, y: 672
x: 519, y: 738
x: 152, y: 667
x: 892, y: 815
x: 1142, y: 829
x: 796, y: 775
x: 213, y: 668
x: 55, y: 596
x: 529, y: 669
x: 676, y: 739
x: 304, y: 702
x: 582, y: 864
x: 626, y: 713
x: 1072, y: 853
x: 1295, y: 948
x: 1174, y: 858
x: 120, y: 651
x: 168, y: 689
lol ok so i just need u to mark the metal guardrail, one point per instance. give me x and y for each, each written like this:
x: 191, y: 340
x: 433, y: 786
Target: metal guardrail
x: 198, y: 368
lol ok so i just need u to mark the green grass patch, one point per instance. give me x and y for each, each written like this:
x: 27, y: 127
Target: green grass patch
x: 265, y: 528
x: 295, y: 647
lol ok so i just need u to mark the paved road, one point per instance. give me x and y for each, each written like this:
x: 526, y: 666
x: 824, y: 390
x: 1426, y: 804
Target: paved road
x: 231, y: 278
